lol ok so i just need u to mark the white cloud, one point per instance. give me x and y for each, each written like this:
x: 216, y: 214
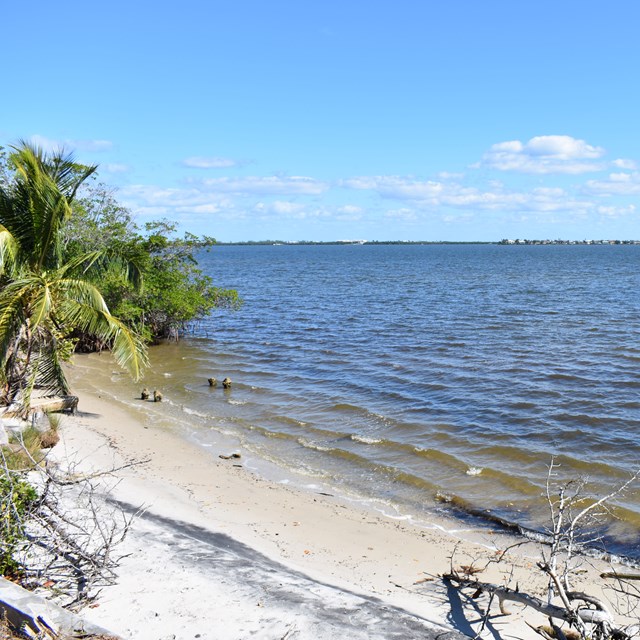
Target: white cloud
x: 91, y: 145
x: 201, y: 199
x: 199, y: 162
x: 617, y: 184
x: 616, y: 212
x: 350, y: 209
x: 204, y: 208
x: 293, y: 210
x: 448, y: 175
x: 404, y: 214
x: 544, y: 154
x: 405, y: 199
x: 114, y: 168
x: 280, y: 208
x: 148, y: 198
x: 624, y: 163
x: 269, y: 185
x: 48, y: 144
x: 428, y: 193
x: 397, y: 187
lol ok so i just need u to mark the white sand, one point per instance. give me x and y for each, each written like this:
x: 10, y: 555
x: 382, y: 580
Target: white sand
x: 221, y: 553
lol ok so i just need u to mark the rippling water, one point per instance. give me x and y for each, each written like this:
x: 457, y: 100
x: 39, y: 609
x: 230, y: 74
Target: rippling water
x: 404, y: 372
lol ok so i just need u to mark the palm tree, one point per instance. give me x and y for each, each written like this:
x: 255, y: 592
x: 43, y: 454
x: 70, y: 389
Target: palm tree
x: 43, y: 299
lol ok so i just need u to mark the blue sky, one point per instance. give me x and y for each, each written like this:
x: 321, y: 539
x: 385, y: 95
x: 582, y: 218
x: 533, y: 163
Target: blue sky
x: 325, y: 120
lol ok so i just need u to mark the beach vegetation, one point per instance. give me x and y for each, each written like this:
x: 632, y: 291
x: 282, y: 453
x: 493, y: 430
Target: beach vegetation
x: 54, y: 530
x: 23, y: 453
x: 46, y: 295
x: 17, y: 498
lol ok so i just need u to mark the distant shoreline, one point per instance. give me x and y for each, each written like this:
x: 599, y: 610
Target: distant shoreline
x: 509, y: 242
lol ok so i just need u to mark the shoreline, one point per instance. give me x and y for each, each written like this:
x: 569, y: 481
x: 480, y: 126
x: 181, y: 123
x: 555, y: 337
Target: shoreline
x: 365, y: 459
x: 311, y: 539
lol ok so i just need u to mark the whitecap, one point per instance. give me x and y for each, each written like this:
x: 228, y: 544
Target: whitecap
x: 193, y: 412
x: 365, y: 439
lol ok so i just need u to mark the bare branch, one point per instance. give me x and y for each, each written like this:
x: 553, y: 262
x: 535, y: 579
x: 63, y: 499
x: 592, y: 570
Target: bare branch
x: 549, y: 610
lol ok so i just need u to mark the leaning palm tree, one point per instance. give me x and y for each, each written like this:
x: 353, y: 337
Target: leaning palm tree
x: 44, y: 299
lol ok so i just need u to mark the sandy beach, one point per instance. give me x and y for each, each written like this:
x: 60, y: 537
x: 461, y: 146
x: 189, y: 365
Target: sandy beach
x: 222, y: 553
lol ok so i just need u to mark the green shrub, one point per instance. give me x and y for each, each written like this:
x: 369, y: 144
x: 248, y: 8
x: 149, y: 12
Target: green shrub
x: 17, y: 498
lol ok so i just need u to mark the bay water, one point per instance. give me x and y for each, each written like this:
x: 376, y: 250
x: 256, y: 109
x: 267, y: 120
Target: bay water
x: 419, y: 378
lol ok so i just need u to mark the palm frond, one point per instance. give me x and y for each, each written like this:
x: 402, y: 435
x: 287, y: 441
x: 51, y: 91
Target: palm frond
x: 84, y: 308
x: 44, y: 188
x: 41, y: 303
x: 49, y: 373
x: 83, y: 263
x: 81, y: 292
x: 8, y: 250
x: 104, y: 261
x: 128, y: 350
x: 11, y: 319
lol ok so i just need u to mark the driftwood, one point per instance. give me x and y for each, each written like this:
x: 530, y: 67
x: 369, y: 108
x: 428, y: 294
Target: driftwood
x: 599, y: 615
x: 57, y: 403
x: 620, y: 576
x: 576, y: 517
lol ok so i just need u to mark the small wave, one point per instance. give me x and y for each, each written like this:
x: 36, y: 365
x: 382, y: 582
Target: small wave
x: 474, y: 471
x: 365, y: 439
x: 569, y: 378
x: 343, y: 406
x: 625, y: 384
x: 579, y: 418
x: 628, y: 405
x: 193, y: 412
x: 523, y: 405
x: 314, y: 446
x: 236, y: 402
x: 441, y: 457
x: 291, y: 421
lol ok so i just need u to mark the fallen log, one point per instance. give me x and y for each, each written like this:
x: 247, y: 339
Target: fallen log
x: 620, y: 576
x: 586, y: 615
x: 53, y: 404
